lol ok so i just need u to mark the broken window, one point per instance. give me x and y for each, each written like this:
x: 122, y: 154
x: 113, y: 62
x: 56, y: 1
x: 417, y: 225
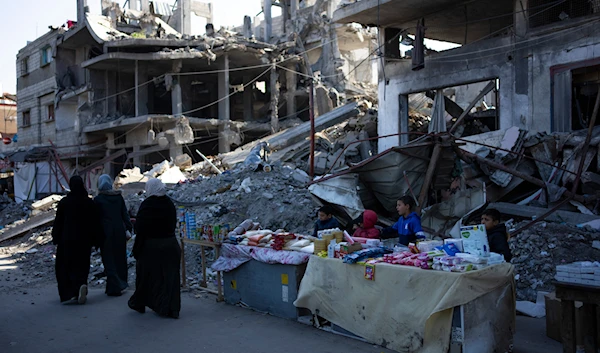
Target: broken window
x: 46, y: 56
x: 479, y: 98
x: 27, y: 118
x: 543, y: 12
x: 586, y: 81
x: 25, y: 66
x: 574, y: 90
x: 50, y: 109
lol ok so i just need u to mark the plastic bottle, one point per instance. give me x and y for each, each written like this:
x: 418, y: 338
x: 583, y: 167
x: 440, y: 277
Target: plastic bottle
x: 331, y: 249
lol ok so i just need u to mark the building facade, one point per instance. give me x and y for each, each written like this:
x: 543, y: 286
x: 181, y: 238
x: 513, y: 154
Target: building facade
x: 543, y: 58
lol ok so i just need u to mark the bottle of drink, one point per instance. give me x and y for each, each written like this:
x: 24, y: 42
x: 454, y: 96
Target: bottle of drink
x: 331, y: 249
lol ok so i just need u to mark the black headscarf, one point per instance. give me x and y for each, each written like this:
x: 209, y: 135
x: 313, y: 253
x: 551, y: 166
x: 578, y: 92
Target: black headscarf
x: 77, y: 187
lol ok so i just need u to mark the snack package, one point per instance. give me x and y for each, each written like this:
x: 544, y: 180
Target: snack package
x: 370, y: 272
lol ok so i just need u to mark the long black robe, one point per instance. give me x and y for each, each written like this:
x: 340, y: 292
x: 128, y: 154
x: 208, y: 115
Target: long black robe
x: 115, y: 221
x: 158, y: 258
x: 76, y: 229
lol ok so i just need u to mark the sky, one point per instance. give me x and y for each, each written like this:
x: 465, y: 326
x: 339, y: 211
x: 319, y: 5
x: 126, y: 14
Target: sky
x: 29, y: 19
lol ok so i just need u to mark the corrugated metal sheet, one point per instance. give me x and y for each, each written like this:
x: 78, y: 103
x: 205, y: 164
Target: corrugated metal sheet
x: 163, y: 8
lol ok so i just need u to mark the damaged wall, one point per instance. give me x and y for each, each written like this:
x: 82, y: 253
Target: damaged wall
x: 525, y: 76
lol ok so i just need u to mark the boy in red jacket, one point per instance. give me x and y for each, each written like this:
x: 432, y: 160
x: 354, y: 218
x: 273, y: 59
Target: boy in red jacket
x: 366, y: 226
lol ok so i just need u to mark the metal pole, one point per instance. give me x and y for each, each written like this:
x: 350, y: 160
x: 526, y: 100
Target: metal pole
x: 312, y: 129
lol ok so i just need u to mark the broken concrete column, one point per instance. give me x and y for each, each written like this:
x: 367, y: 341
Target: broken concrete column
x: 145, y: 5
x: 141, y: 90
x: 274, y: 100
x: 137, y: 160
x: 268, y: 20
x: 176, y: 97
x: 291, y: 82
x: 82, y: 9
x: 324, y: 103
x: 247, y: 30
x: 184, y: 13
x: 224, y: 105
x: 293, y: 9
x: 133, y: 5
x: 175, y: 150
x: 521, y: 18
x: 248, y: 99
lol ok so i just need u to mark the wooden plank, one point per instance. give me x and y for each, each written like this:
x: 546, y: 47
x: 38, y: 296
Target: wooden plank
x: 589, y: 328
x: 568, y: 326
x: 32, y: 223
x: 203, y: 259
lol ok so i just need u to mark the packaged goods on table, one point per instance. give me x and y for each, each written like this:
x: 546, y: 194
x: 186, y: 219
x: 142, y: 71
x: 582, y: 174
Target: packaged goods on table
x: 584, y: 272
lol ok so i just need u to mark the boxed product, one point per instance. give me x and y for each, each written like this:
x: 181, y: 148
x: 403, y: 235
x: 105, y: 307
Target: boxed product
x: 475, y: 240
x: 457, y: 242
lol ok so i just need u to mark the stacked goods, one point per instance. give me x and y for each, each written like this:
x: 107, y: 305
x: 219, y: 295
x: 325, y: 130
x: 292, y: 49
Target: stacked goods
x: 585, y: 272
x: 280, y: 240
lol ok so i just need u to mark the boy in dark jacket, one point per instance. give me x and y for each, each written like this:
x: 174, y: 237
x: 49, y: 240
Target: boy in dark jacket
x: 408, y: 228
x: 326, y: 220
x: 496, y: 233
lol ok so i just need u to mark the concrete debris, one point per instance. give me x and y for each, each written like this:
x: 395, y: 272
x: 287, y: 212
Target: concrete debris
x: 235, y: 195
x: 538, y: 250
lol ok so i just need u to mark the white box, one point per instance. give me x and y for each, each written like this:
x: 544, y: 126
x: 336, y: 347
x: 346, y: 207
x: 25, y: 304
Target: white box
x: 588, y: 276
x: 475, y: 240
x: 562, y: 279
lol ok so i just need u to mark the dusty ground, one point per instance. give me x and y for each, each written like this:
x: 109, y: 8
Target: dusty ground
x: 40, y: 324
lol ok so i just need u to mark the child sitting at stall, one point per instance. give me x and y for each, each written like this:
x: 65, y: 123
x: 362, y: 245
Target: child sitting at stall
x: 326, y: 220
x: 496, y: 233
x: 408, y: 228
x: 365, y: 225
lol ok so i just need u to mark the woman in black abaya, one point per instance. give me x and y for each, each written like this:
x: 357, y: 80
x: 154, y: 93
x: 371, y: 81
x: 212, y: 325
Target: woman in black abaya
x: 76, y: 229
x: 157, y: 254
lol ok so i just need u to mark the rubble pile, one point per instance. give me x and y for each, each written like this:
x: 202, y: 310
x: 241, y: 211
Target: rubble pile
x: 538, y: 250
x: 343, y: 144
x: 231, y: 197
x: 12, y: 212
x: 205, y: 168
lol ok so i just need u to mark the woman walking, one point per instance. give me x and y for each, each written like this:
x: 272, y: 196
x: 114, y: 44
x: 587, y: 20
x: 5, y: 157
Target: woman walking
x: 115, y: 222
x: 157, y: 253
x: 75, y: 231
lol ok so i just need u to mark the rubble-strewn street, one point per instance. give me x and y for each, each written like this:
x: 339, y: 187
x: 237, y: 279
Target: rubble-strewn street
x: 322, y: 157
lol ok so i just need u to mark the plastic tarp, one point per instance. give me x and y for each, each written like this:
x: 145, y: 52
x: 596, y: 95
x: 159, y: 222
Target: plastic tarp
x: 23, y: 182
x: 36, y: 178
x: 406, y: 309
x: 233, y: 256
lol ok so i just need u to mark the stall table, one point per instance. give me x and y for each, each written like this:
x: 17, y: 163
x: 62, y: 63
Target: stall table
x: 203, y: 244
x: 409, y: 309
x: 262, y: 278
x: 569, y: 293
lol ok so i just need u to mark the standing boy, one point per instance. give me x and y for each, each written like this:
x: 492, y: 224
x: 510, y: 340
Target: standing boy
x: 408, y: 228
x: 496, y: 233
x: 326, y: 220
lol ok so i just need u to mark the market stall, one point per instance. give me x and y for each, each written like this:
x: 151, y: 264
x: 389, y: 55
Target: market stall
x: 409, y: 309
x: 263, y: 279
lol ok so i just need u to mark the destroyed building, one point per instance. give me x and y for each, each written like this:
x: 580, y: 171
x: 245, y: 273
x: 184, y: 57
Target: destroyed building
x: 8, y: 120
x: 124, y: 88
x: 539, y: 59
